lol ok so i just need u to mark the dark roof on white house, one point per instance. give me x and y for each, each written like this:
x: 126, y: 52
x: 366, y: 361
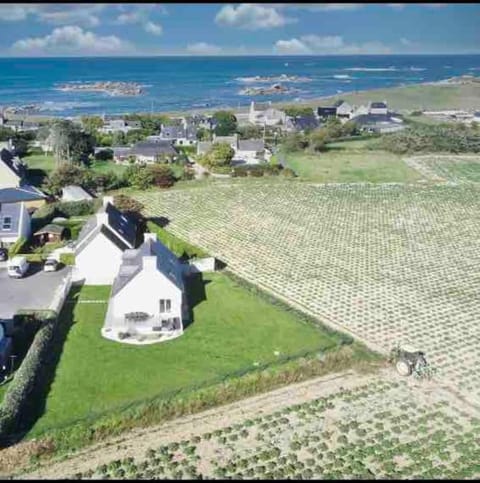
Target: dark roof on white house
x: 132, y: 264
x: 369, y: 119
x: 118, y: 226
x: 302, y: 123
x: 22, y: 193
x: 153, y: 148
x: 378, y: 105
x: 172, y: 132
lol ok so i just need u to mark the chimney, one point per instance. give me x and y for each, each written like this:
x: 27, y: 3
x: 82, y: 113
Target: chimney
x: 106, y: 200
x: 102, y: 218
x: 149, y: 236
x: 149, y: 263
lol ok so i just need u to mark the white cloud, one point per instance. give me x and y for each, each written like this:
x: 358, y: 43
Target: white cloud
x: 15, y: 13
x: 153, y: 28
x: 140, y: 15
x: 71, y: 40
x: 251, y: 16
x: 203, y: 48
x: 334, y: 44
x: 405, y: 41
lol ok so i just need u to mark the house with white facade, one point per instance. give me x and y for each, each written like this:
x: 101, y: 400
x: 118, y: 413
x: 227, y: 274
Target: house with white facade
x: 101, y: 243
x: 378, y: 108
x: 182, y: 135
x: 344, y: 110
x: 249, y: 151
x: 148, y: 301
x: 265, y: 115
x: 15, y: 223
x: 119, y: 125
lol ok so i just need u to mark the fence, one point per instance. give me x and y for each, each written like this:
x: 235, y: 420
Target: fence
x: 61, y: 294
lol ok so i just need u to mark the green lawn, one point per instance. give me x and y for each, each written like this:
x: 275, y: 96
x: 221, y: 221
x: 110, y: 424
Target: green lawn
x: 232, y: 330
x: 44, y: 162
x: 102, y: 167
x: 350, y: 162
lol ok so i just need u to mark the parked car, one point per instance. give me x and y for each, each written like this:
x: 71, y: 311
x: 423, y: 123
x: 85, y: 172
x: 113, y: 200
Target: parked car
x: 3, y: 254
x: 17, y: 267
x: 50, y: 265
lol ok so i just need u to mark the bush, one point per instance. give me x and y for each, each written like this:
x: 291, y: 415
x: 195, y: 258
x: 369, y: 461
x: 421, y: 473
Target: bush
x: 77, y: 208
x: 17, y: 247
x: 163, y: 176
x: 104, y: 155
x: 288, y: 173
x: 67, y: 258
x: 44, y: 215
x: 19, y: 391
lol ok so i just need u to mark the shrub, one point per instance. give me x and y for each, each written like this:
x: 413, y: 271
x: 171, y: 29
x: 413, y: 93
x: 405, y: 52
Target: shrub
x: 288, y: 173
x: 67, y: 259
x: 19, y: 391
x: 76, y: 208
x: 17, y: 247
x: 44, y: 215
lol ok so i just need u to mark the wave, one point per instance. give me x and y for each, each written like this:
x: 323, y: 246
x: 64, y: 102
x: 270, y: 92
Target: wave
x: 61, y: 106
x: 275, y: 78
x: 371, y: 69
x: 417, y: 69
x: 474, y: 68
x: 342, y: 76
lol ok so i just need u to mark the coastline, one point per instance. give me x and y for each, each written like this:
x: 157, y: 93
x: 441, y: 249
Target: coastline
x: 314, y: 102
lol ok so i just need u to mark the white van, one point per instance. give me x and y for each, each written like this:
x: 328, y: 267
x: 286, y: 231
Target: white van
x: 17, y: 267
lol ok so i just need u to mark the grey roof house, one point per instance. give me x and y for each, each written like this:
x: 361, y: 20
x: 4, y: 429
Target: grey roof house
x: 14, y: 222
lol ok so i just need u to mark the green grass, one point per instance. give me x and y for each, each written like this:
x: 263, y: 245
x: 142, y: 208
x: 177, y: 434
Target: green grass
x: 102, y: 167
x: 44, y: 162
x: 350, y: 162
x: 233, y: 328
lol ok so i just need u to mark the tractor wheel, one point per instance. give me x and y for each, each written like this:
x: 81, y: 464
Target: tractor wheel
x: 403, y: 367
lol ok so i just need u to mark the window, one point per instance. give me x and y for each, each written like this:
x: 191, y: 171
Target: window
x: 165, y: 305
x: 7, y: 223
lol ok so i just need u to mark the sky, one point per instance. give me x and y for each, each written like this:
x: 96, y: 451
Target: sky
x: 39, y: 30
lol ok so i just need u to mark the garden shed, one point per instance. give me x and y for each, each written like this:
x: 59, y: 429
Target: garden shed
x: 49, y: 233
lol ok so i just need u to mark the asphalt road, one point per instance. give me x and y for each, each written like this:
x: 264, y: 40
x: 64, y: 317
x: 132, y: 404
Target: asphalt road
x: 34, y: 291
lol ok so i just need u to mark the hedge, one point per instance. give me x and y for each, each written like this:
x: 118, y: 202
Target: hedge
x: 179, y: 247
x: 12, y: 410
x: 17, y: 247
x: 67, y: 258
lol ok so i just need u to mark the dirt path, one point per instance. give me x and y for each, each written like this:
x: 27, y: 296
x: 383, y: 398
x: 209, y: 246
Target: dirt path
x: 136, y: 442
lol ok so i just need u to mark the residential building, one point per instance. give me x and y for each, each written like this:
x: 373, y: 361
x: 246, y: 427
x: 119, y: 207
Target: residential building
x: 183, y: 135
x: 148, y: 301
x: 75, y: 193
x: 102, y: 240
x: 14, y: 222
x: 302, y: 123
x: 344, y: 109
x: 49, y: 234
x: 249, y: 151
x: 265, y: 115
x: 324, y: 112
x: 381, y: 123
x: 153, y: 151
x: 119, y: 125
x: 378, y: 108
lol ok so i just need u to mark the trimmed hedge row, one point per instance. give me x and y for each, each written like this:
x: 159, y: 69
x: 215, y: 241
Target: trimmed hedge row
x: 12, y: 410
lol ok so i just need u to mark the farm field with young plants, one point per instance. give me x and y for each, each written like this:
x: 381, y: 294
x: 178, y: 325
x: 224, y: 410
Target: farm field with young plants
x: 384, y: 428
x: 387, y: 263
x: 448, y: 168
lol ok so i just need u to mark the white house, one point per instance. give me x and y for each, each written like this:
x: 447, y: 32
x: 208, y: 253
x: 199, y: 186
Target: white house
x: 344, y: 109
x: 101, y: 243
x: 180, y: 135
x: 14, y: 222
x: 249, y: 151
x: 75, y: 193
x: 119, y: 125
x: 378, y: 108
x: 265, y: 115
x: 148, y: 301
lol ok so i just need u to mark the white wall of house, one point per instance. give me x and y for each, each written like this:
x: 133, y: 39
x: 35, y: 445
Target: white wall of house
x: 98, y: 263
x: 8, y: 178
x: 248, y: 155
x: 143, y: 294
x: 25, y: 225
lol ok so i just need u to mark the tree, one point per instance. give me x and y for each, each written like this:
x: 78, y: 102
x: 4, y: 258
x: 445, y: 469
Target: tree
x: 162, y: 175
x: 294, y: 142
x: 226, y: 123
x: 6, y: 133
x: 203, y: 134
x: 67, y: 174
x: 138, y: 176
x: 249, y: 132
x: 294, y: 111
x: 334, y: 128
x: 318, y: 139
x: 129, y: 206
x: 220, y: 154
x: 91, y: 123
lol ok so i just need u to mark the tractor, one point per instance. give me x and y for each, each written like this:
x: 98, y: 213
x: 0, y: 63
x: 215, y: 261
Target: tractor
x: 408, y: 361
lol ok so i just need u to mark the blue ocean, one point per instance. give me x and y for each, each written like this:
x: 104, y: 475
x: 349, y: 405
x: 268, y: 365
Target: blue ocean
x: 180, y: 83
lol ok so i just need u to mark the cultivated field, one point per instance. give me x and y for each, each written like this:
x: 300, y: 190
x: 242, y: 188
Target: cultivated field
x: 372, y: 427
x: 387, y: 263
x: 451, y: 168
